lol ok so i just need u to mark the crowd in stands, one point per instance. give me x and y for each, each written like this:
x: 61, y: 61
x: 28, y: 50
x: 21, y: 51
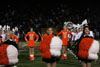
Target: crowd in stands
x: 43, y: 15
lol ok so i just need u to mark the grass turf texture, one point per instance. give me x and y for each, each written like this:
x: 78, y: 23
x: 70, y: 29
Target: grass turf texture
x: 70, y: 62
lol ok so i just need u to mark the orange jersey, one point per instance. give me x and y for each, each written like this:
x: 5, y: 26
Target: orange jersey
x: 65, y: 38
x: 15, y: 38
x: 44, y: 36
x: 31, y: 36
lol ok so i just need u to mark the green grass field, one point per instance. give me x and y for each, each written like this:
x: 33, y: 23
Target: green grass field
x: 70, y: 62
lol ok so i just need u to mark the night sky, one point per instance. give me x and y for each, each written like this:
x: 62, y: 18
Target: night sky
x: 47, y: 3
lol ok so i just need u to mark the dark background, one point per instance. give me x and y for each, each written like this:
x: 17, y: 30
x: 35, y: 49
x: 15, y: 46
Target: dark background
x: 45, y: 13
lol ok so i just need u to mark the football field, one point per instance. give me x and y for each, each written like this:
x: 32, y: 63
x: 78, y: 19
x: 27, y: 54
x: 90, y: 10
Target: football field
x: 25, y: 62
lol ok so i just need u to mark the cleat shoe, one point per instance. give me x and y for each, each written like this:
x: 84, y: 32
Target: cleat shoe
x: 65, y: 57
x: 32, y: 58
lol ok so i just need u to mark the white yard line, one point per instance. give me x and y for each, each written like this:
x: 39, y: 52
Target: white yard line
x: 72, y: 53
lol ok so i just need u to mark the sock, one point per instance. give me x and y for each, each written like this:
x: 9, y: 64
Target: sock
x: 31, y: 55
x: 65, y: 55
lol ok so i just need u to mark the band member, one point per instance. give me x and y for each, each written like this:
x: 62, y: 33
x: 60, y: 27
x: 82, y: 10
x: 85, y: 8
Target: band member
x: 65, y: 33
x: 15, y: 38
x: 31, y: 42
x: 88, y: 48
x: 0, y: 36
x: 3, y: 34
x: 50, y: 47
x: 74, y: 33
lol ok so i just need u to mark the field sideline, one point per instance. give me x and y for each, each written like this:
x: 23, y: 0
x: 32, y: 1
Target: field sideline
x: 70, y: 62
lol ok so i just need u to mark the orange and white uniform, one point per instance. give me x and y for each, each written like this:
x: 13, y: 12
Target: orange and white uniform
x: 65, y: 38
x: 15, y: 38
x: 31, y: 40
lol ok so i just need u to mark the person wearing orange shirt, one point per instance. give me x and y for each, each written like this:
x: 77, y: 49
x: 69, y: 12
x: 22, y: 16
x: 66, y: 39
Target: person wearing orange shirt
x: 65, y: 38
x: 15, y: 38
x: 43, y: 37
x: 48, y: 48
x: 31, y: 42
x: 8, y: 51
